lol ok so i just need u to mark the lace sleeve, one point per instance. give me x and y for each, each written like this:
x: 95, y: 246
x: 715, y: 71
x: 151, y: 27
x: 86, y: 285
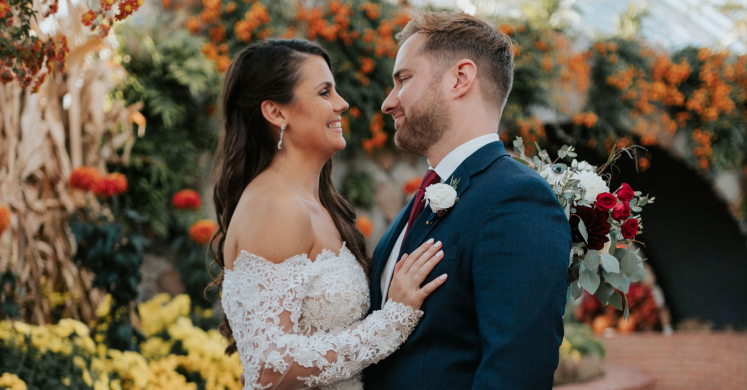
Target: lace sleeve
x: 263, y: 301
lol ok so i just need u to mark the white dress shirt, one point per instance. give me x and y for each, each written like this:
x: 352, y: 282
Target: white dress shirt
x: 444, y: 169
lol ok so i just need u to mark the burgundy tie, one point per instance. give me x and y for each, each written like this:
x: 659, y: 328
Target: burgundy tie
x: 430, y: 178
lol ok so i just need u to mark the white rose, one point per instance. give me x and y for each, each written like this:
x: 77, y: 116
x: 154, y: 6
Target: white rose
x: 440, y: 196
x: 584, y: 166
x: 593, y: 184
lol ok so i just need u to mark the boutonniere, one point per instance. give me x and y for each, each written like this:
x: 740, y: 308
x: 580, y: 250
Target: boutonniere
x: 441, y: 197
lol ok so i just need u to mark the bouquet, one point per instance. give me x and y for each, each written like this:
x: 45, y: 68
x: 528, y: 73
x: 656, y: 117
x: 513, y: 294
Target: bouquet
x: 604, y: 224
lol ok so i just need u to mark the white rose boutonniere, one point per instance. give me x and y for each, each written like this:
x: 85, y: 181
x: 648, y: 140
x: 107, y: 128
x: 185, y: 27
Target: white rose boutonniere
x: 441, y: 197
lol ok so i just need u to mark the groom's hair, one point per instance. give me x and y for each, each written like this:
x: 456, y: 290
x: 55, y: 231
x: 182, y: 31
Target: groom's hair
x: 452, y: 36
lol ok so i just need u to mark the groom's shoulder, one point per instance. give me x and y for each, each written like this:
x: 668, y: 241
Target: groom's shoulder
x: 507, y: 171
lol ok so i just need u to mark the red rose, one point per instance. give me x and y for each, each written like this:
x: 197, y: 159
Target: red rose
x: 605, y: 201
x: 625, y: 193
x: 630, y: 228
x: 596, y: 224
x: 621, y: 211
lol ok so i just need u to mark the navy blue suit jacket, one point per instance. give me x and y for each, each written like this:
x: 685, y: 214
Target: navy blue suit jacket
x: 497, y: 321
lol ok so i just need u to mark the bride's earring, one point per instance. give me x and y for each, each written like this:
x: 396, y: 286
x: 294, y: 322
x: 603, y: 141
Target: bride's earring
x: 282, y: 129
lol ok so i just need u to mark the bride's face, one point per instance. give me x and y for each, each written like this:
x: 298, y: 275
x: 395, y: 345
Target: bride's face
x: 314, y: 121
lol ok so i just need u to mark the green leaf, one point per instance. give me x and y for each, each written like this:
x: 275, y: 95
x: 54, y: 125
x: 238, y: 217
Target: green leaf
x: 610, y: 263
x: 642, y: 201
x: 628, y: 261
x: 576, y: 290
x: 626, y: 313
x: 589, y: 280
x: 625, y: 283
x: 635, y: 209
x: 568, y: 211
x: 591, y: 261
x: 615, y: 279
x: 613, y: 246
x: 612, y: 153
x: 639, y: 274
x: 521, y: 161
x: 537, y: 162
x: 604, y: 292
x: 616, y: 301
x: 582, y: 230
x: 633, y: 202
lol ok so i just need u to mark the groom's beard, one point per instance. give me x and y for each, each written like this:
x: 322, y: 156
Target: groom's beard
x: 425, y: 123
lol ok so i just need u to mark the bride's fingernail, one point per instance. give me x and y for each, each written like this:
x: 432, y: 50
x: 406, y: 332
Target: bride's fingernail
x: 439, y: 253
x: 429, y: 241
x: 438, y: 243
x: 442, y: 277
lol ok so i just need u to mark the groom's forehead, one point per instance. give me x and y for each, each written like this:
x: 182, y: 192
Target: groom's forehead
x: 409, y: 54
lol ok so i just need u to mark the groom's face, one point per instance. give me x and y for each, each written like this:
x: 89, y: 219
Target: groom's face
x: 416, y: 102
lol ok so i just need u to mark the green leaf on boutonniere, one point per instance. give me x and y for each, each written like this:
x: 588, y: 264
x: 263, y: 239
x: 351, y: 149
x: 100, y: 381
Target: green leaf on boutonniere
x: 521, y: 161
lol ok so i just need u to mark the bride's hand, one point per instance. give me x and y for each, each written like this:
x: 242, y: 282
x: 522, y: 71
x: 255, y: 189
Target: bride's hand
x: 411, y: 271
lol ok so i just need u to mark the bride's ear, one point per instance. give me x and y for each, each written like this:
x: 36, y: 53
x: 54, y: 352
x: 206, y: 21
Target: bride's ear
x: 273, y: 113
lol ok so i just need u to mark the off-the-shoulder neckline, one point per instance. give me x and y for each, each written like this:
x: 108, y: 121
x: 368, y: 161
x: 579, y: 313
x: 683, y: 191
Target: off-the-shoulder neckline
x: 324, y: 254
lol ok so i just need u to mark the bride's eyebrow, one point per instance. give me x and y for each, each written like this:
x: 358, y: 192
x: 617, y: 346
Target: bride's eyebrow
x: 325, y: 84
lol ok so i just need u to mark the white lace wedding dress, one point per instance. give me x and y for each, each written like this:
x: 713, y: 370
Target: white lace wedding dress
x: 300, y: 324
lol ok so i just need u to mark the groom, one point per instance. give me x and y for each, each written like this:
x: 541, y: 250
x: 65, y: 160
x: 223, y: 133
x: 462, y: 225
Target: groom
x: 497, y: 322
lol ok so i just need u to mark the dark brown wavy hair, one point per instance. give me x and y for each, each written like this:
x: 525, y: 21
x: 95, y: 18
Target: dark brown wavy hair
x: 265, y: 71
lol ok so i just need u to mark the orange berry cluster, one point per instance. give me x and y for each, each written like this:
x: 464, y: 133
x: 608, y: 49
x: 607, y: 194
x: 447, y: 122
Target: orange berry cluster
x: 378, y: 135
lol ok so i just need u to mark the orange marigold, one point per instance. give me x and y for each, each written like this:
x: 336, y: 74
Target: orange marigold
x: 4, y: 8
x: 110, y: 185
x: 193, y: 25
x: 411, y: 185
x: 202, y: 231
x: 365, y: 225
x: 186, y: 199
x: 4, y: 219
x: 84, y: 177
x: 367, y: 65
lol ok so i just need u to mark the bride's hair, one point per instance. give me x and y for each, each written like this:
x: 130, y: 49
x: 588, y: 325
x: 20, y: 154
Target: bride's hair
x: 266, y: 71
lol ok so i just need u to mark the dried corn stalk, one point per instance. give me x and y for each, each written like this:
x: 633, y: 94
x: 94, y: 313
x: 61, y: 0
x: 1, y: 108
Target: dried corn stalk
x: 44, y: 136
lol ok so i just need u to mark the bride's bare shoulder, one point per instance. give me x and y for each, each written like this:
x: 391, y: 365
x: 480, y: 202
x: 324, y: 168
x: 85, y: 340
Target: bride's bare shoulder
x: 270, y: 221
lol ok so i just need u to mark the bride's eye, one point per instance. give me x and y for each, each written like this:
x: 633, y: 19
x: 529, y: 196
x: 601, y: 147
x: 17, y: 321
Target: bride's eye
x: 325, y: 93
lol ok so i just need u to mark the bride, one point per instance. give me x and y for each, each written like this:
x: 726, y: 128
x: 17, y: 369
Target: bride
x: 294, y: 282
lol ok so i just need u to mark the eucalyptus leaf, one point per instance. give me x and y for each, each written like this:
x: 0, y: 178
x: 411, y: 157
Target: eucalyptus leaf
x: 591, y: 261
x: 568, y: 211
x: 537, y: 162
x: 635, y: 209
x: 639, y: 274
x: 614, y: 278
x: 625, y: 283
x: 576, y: 290
x: 604, y: 292
x: 582, y: 230
x: 616, y: 301
x: 628, y: 261
x: 610, y: 263
x: 521, y: 160
x: 642, y: 201
x: 589, y: 280
x: 613, y: 246
x: 626, y: 313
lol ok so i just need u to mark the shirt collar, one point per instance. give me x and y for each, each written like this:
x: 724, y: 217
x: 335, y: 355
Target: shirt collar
x: 456, y: 157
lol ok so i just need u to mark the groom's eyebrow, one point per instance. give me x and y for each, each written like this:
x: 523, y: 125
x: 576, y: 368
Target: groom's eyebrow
x: 396, y: 74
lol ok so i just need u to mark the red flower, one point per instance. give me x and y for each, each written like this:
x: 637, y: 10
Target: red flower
x: 630, y: 228
x: 596, y: 224
x: 186, y: 199
x: 365, y: 225
x: 605, y: 201
x: 621, y: 211
x: 202, y: 231
x: 625, y: 193
x: 84, y: 177
x: 4, y: 219
x: 110, y: 185
x: 88, y: 18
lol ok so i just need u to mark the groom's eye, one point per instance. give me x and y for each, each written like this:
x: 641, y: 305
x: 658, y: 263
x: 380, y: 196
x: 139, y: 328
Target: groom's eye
x: 402, y: 80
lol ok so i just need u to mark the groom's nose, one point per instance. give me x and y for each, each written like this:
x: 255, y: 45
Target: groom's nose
x: 390, y: 103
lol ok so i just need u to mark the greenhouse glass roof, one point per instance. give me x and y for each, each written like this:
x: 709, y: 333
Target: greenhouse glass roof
x: 671, y: 24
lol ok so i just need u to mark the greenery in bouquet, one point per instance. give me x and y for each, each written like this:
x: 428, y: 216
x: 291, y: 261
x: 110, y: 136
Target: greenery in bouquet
x: 604, y: 224
x: 175, y: 353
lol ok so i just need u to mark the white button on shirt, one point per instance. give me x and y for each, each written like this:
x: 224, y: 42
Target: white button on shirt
x: 444, y: 169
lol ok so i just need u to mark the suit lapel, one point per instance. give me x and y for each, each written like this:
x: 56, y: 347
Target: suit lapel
x: 473, y: 165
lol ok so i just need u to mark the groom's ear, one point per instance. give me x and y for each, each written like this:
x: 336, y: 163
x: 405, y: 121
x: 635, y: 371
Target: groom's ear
x: 273, y: 113
x: 465, y: 76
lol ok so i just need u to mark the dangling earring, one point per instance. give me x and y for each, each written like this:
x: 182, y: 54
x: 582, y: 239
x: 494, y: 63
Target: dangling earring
x: 282, y: 129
